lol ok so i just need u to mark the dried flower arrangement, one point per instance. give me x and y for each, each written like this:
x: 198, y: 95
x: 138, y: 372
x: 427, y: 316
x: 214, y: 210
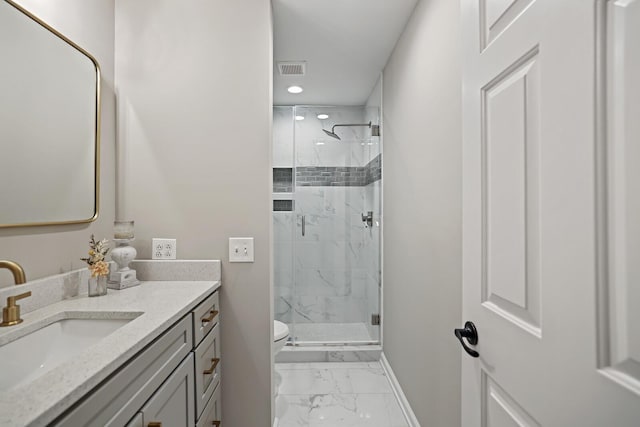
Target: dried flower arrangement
x: 97, y: 251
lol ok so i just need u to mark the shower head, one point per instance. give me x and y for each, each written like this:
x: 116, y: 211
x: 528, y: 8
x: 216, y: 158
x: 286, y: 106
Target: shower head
x: 331, y: 134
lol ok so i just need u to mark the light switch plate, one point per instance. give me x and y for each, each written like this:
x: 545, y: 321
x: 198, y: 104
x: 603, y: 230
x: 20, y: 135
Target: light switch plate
x: 241, y: 249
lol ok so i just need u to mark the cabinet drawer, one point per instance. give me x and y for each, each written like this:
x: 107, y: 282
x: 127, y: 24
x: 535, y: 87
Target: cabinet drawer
x: 172, y: 404
x: 205, y: 317
x: 207, y: 368
x: 212, y: 414
x: 118, y: 399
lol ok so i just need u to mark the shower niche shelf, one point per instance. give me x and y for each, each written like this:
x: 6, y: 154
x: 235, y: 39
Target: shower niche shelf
x: 282, y: 196
x: 283, y: 205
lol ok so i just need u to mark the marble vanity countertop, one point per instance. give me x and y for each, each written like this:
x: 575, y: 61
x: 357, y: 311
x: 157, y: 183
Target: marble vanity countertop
x: 157, y: 305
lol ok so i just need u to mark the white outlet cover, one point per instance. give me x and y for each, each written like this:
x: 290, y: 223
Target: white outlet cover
x: 163, y: 248
x: 241, y: 249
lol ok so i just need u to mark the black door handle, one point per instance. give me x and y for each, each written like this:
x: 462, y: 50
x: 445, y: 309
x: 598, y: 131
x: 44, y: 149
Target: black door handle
x: 471, y: 334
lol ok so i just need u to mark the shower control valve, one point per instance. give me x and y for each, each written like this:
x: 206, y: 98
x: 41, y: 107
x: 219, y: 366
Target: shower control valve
x: 368, y: 219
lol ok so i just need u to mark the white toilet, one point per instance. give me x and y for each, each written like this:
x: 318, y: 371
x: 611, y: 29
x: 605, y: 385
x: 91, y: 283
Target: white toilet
x: 280, y: 336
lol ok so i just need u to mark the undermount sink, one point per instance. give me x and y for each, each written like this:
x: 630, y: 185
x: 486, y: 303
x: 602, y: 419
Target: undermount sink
x: 32, y: 355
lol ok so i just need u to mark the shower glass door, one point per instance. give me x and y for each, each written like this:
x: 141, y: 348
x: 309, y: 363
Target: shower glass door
x: 336, y: 227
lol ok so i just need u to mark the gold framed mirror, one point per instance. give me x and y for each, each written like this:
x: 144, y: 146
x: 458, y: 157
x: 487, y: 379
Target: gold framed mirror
x: 49, y: 124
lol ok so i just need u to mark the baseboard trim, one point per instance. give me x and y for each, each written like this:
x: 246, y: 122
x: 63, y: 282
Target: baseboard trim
x: 397, y: 390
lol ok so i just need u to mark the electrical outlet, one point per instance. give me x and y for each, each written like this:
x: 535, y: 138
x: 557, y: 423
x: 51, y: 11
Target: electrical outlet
x: 241, y: 249
x: 163, y: 248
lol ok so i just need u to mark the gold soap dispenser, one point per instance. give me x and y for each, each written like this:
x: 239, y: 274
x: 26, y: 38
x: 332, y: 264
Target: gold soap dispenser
x: 11, y: 313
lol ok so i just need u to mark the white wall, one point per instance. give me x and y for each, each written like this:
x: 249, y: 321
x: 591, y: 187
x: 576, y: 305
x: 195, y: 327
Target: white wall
x: 194, y: 85
x: 422, y: 212
x: 44, y: 251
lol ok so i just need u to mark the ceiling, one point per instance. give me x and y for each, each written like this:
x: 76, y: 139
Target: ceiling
x: 345, y: 43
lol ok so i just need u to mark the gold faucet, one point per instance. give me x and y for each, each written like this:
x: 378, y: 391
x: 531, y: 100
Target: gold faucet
x: 11, y: 313
x: 17, y: 271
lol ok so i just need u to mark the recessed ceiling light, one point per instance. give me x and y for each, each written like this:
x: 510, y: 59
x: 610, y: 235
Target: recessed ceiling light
x: 323, y: 116
x: 294, y: 89
x: 298, y: 118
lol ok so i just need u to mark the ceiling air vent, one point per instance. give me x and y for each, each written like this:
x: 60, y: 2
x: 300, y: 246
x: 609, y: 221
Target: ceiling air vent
x: 292, y: 68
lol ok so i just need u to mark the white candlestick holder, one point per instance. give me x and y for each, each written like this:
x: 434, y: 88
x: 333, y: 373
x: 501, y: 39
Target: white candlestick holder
x: 124, y: 277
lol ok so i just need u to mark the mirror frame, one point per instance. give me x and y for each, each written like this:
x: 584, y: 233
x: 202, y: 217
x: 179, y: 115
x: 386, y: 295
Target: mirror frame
x: 96, y: 207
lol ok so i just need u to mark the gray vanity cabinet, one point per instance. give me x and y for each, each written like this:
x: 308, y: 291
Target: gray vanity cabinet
x: 174, y: 382
x: 207, y: 358
x: 167, y: 406
x: 119, y: 398
x: 212, y: 413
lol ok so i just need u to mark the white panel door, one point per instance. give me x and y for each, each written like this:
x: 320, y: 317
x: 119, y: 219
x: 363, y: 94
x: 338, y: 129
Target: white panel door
x: 551, y: 212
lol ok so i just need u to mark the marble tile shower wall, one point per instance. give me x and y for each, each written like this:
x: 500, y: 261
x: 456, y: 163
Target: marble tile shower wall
x: 282, y: 137
x: 283, y: 223
x: 373, y: 202
x: 328, y: 260
x: 371, y: 253
x: 336, y: 264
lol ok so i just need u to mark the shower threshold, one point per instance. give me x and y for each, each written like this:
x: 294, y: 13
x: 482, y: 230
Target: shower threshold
x: 329, y: 353
x: 330, y: 342
x: 331, y: 333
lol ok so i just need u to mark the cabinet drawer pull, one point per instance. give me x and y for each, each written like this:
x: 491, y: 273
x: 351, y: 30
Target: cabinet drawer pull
x: 212, y: 315
x: 154, y: 424
x: 215, y: 423
x: 213, y: 366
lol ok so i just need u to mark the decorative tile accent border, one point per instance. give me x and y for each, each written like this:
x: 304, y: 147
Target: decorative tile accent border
x: 374, y: 170
x: 331, y: 176
x: 282, y: 180
x: 283, y: 205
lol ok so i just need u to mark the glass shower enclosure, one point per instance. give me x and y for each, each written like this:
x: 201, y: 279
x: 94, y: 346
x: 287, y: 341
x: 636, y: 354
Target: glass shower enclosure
x: 327, y: 224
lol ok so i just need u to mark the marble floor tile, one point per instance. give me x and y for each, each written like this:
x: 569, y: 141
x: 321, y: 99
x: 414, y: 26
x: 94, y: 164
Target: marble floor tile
x: 315, y: 381
x: 328, y: 365
x: 369, y: 380
x: 336, y: 395
x: 339, y: 410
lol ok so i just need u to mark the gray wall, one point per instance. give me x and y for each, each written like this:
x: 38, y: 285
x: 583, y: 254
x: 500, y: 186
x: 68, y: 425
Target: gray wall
x: 194, y: 120
x: 43, y: 251
x: 195, y: 109
x: 422, y: 210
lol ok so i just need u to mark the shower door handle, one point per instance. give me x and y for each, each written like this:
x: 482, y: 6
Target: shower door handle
x: 304, y: 223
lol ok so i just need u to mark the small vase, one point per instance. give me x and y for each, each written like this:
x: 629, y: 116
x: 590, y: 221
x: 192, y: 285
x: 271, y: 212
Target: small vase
x: 97, y: 286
